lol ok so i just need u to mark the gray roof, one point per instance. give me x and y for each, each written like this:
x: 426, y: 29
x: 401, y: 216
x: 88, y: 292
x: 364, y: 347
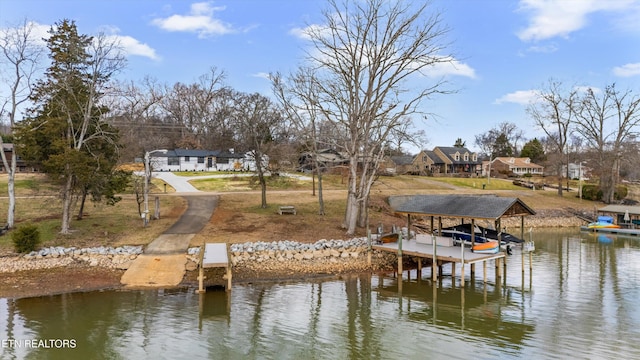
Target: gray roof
x: 403, y: 159
x: 433, y: 156
x: 620, y: 209
x: 197, y: 153
x: 460, y: 206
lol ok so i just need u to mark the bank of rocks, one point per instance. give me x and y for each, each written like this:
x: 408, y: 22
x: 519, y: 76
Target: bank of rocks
x: 291, y: 257
x: 51, y: 257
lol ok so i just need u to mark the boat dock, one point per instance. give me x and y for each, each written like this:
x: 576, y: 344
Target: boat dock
x: 613, y: 231
x: 441, y: 255
x: 214, y: 255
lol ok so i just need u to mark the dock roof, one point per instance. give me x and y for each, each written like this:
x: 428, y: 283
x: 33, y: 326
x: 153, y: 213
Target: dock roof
x: 620, y: 209
x: 460, y: 206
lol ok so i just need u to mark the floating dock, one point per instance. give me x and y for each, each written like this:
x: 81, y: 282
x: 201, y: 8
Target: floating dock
x: 614, y: 231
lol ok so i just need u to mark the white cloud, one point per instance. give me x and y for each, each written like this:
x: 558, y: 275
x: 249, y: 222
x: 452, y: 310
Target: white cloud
x: 522, y: 97
x: 132, y: 46
x: 305, y: 33
x: 38, y: 33
x: 627, y: 70
x: 585, y: 89
x: 451, y: 67
x: 262, y: 75
x: 200, y: 20
x: 552, y: 18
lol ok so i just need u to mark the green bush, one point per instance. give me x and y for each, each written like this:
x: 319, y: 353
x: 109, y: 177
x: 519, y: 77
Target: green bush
x: 621, y: 192
x: 26, y: 238
x: 593, y: 192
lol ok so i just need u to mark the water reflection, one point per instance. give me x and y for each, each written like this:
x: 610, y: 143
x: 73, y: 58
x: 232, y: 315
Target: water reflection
x: 579, y: 301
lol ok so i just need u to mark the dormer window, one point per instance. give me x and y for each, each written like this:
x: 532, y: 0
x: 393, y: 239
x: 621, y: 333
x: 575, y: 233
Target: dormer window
x: 456, y: 156
x: 466, y: 156
x: 474, y: 157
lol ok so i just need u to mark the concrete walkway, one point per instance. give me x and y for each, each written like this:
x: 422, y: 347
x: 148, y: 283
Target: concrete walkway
x: 163, y: 262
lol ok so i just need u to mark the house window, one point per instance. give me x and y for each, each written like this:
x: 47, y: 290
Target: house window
x: 466, y: 157
x: 200, y: 159
x: 223, y: 160
x: 187, y: 159
x: 173, y: 160
x: 457, y: 156
x: 474, y: 157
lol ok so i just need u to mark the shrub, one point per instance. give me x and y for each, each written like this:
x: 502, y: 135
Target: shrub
x: 26, y: 238
x: 621, y: 192
x: 591, y: 192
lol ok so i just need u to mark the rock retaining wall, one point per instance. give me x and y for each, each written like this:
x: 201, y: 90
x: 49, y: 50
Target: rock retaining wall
x: 46, y: 258
x: 323, y: 256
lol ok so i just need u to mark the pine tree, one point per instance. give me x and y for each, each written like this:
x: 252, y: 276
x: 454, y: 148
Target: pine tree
x: 65, y: 133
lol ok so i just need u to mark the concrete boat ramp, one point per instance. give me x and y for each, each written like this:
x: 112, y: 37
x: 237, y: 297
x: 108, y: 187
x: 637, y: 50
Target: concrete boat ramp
x: 163, y: 262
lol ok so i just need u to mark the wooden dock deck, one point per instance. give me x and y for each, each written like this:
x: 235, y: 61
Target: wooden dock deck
x: 440, y: 255
x: 214, y: 255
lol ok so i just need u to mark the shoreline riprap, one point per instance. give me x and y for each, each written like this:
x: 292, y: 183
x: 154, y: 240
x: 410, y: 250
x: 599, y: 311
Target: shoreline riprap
x: 322, y: 256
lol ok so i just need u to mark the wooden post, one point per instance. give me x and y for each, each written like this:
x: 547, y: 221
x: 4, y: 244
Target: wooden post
x: 419, y: 268
x: 462, y: 265
x: 201, y: 271
x: 434, y: 264
x: 229, y: 265
x: 156, y: 214
x: 484, y: 271
x: 408, y: 226
x: 369, y: 248
x: 473, y: 243
x: 400, y: 255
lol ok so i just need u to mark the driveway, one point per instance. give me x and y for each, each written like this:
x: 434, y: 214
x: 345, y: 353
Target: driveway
x: 181, y: 183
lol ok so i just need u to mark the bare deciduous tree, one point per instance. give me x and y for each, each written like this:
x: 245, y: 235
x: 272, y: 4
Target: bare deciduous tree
x: 259, y: 124
x: 298, y: 97
x: 22, y: 54
x: 554, y: 111
x: 608, y: 121
x: 364, y: 58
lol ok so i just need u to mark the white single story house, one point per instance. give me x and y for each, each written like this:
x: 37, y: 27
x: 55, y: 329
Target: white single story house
x: 517, y: 166
x: 200, y: 160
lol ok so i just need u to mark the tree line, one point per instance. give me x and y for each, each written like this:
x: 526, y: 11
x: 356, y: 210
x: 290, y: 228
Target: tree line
x: 595, y: 127
x: 360, y: 90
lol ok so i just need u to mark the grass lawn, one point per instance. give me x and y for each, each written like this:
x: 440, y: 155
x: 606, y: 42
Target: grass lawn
x: 101, y: 225
x: 239, y: 216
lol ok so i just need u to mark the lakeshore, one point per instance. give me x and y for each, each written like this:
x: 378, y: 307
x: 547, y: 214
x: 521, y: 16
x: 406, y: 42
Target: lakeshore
x: 78, y: 271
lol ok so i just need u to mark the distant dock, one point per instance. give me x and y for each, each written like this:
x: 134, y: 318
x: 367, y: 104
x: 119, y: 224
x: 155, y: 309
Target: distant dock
x: 613, y: 231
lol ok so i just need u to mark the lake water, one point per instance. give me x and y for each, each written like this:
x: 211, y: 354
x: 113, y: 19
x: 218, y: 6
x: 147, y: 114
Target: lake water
x: 581, y: 301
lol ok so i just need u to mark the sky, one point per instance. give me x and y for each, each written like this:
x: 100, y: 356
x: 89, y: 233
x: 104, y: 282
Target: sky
x: 504, y: 50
